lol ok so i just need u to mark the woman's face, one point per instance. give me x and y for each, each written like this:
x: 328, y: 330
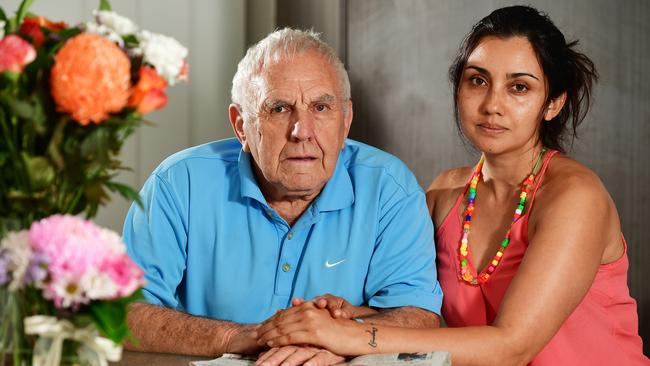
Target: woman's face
x: 501, y: 96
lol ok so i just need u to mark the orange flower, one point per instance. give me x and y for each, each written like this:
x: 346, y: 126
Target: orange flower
x: 90, y: 78
x: 149, y: 93
x: 183, y: 75
x: 15, y: 53
x: 46, y: 23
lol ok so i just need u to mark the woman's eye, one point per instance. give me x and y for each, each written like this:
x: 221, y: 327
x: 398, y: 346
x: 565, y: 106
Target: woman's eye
x: 477, y: 81
x: 520, y: 88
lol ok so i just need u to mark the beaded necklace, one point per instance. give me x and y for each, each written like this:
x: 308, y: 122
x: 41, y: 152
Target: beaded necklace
x: 463, y: 249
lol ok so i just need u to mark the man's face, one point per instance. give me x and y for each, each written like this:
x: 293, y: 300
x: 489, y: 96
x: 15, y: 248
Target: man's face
x: 298, y: 128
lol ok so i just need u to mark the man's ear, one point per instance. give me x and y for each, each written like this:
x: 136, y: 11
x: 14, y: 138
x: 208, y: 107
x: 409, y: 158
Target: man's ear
x: 347, y: 120
x: 554, y: 107
x: 237, y: 123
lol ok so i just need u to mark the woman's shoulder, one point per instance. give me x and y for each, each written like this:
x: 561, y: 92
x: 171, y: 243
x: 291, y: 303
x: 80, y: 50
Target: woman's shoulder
x: 445, y: 188
x: 572, y: 187
x: 568, y: 176
x: 573, y: 193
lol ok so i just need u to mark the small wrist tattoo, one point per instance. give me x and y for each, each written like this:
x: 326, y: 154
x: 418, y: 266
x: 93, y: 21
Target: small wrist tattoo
x: 373, y: 333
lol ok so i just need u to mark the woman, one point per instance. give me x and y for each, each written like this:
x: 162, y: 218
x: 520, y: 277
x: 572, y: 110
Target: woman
x: 531, y: 256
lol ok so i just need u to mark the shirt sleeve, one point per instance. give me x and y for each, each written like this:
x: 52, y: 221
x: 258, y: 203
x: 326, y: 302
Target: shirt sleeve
x: 156, y: 239
x: 403, y: 267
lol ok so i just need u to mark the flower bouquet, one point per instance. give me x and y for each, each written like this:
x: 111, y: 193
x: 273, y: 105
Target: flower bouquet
x: 78, y: 279
x: 70, y: 96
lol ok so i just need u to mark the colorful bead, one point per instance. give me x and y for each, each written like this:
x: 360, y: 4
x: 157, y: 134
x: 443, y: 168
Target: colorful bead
x: 465, y: 271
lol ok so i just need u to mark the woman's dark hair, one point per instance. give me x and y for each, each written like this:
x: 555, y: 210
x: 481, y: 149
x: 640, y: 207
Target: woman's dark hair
x: 566, y: 69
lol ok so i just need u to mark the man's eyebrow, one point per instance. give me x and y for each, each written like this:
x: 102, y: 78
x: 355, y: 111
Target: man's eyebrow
x: 270, y: 103
x: 324, y: 98
x: 513, y: 75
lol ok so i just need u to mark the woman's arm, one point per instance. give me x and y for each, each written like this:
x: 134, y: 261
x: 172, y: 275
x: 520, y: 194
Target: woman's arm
x: 560, y: 264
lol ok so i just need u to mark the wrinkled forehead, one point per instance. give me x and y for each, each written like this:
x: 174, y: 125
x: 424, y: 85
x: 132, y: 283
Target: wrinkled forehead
x: 307, y: 73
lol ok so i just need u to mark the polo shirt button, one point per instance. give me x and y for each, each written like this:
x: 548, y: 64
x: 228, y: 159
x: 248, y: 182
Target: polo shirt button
x: 269, y: 213
x: 286, y: 267
x: 290, y: 236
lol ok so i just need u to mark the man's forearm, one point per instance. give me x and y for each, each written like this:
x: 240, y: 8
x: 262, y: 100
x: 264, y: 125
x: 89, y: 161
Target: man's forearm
x: 407, y: 316
x: 159, y: 329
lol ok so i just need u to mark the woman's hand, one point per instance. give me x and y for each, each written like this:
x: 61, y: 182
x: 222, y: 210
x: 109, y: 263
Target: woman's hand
x: 298, y: 355
x: 308, y: 324
x: 337, y: 306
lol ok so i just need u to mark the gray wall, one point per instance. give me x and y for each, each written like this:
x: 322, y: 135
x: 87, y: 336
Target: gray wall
x: 398, y: 52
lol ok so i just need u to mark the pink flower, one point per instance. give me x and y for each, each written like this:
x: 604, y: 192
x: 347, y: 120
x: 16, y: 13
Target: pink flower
x: 124, y: 272
x: 71, y: 244
x: 15, y: 53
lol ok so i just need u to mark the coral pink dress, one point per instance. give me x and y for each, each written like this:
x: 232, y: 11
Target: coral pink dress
x: 602, y: 330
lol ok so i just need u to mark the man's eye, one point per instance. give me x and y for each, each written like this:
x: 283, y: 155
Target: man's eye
x: 321, y: 107
x: 278, y: 109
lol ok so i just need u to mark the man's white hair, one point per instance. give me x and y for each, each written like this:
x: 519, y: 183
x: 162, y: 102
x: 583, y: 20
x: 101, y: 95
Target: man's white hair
x: 280, y: 45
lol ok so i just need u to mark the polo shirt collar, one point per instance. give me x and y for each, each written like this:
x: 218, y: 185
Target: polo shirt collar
x: 249, y: 187
x: 337, y: 193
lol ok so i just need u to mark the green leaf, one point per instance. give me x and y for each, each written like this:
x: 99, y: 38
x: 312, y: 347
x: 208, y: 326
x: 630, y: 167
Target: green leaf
x: 95, y: 147
x: 20, y: 108
x: 3, y: 16
x: 39, y: 170
x: 53, y: 148
x: 125, y: 191
x: 110, y: 316
x: 22, y: 11
x: 104, y: 5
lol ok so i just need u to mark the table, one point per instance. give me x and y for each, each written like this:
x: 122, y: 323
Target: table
x: 133, y: 358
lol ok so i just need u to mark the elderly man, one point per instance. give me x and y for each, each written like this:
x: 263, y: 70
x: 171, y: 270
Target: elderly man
x: 233, y: 230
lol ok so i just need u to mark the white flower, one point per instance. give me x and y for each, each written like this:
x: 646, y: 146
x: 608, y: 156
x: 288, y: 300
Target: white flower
x: 115, y: 22
x: 98, y: 286
x: 164, y: 53
x: 18, y: 254
x: 104, y: 31
x: 66, y: 292
x: 112, y: 241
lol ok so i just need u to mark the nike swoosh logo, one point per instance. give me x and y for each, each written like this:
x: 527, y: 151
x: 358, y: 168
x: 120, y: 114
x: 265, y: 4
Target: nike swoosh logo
x: 330, y: 265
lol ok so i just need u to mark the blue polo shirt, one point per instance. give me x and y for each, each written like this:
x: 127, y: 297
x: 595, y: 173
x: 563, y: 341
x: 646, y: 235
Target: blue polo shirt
x: 210, y: 244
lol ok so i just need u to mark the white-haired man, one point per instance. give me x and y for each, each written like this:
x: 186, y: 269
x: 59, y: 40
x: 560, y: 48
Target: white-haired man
x: 233, y: 230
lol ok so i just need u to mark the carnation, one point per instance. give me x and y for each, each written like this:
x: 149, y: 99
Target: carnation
x: 104, y: 31
x: 164, y: 53
x: 115, y: 22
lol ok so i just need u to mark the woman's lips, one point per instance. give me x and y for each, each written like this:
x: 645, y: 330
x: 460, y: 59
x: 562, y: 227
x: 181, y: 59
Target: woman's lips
x: 490, y: 128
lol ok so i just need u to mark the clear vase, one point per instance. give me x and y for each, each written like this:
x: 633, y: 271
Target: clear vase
x: 14, y: 347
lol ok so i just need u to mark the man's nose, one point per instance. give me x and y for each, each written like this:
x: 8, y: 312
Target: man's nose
x: 303, y: 128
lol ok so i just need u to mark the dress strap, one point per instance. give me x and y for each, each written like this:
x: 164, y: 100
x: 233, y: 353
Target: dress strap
x: 540, y: 176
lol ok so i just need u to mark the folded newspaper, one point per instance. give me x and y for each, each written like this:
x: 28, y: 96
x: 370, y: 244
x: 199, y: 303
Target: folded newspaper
x: 436, y: 358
